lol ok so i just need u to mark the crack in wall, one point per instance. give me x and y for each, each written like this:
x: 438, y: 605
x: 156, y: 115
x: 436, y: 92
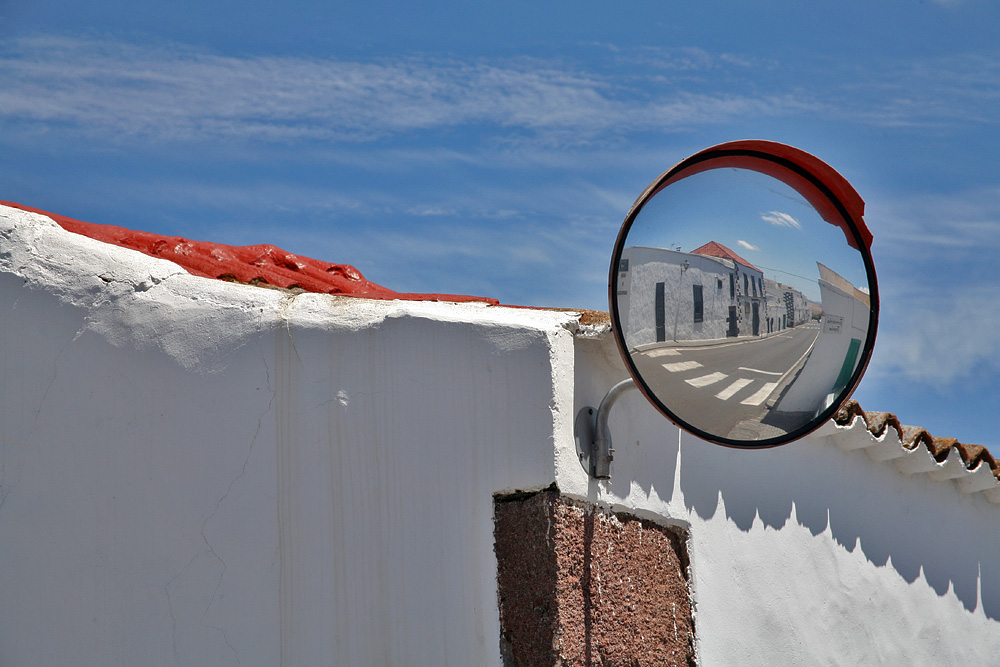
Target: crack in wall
x: 173, y: 617
x: 218, y: 504
x: 170, y: 607
x: 210, y: 549
x: 144, y: 285
x: 5, y: 485
x: 209, y: 546
x: 52, y: 380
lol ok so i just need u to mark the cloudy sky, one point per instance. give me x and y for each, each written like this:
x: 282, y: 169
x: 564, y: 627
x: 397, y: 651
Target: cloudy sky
x: 495, y: 149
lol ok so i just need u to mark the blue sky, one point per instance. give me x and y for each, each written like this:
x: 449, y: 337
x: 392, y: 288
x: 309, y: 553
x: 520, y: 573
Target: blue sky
x: 494, y: 148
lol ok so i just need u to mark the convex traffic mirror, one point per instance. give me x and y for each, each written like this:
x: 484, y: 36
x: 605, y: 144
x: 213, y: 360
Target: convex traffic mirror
x: 743, y: 295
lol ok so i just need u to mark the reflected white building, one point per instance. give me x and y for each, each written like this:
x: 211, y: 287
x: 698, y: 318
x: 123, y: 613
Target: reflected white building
x: 709, y: 293
x: 786, y: 306
x: 836, y: 352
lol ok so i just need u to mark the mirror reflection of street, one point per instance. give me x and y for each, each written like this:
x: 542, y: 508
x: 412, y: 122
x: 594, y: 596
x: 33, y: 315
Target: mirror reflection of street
x: 707, y: 324
x: 706, y: 294
x: 730, y: 387
x: 743, y: 297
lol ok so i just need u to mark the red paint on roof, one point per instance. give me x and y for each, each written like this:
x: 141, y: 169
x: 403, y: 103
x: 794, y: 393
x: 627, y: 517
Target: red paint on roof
x: 253, y: 264
x: 714, y: 249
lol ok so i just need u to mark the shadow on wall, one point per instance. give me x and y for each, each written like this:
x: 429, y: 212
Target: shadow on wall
x: 914, y: 525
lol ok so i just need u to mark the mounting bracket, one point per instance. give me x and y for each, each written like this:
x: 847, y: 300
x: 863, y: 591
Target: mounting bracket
x: 592, y: 435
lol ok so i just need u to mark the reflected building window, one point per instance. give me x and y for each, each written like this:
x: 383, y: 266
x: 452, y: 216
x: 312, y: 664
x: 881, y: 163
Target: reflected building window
x: 699, y: 304
x: 659, y: 312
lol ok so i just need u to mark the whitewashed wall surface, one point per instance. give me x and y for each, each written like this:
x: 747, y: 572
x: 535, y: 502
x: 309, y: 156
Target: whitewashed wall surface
x: 200, y: 473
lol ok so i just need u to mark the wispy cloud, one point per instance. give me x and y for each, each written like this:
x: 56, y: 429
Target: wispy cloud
x: 779, y: 219
x: 953, y: 226
x: 128, y: 91
x: 683, y: 59
x: 934, y: 91
x: 932, y: 251
x: 746, y: 246
x: 943, y: 336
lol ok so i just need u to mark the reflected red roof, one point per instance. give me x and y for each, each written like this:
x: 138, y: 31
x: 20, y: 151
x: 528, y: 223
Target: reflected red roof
x: 254, y: 264
x: 714, y: 249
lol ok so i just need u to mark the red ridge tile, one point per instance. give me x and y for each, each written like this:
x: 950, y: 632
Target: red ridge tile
x: 254, y: 264
x: 911, y: 436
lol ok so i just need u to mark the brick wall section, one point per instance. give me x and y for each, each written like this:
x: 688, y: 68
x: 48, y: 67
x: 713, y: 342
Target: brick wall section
x: 579, y: 585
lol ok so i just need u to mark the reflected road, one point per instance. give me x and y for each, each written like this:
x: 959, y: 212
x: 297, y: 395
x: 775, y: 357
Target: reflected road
x: 728, y: 388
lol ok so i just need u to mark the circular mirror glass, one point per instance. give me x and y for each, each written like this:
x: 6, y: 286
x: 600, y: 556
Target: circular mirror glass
x: 743, y: 295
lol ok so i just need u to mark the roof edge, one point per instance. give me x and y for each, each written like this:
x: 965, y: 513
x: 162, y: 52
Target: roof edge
x: 251, y: 265
x: 913, y: 450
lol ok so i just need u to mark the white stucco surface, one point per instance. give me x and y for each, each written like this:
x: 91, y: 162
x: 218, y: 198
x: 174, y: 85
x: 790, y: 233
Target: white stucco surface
x: 678, y: 272
x: 195, y: 472
x: 811, y: 553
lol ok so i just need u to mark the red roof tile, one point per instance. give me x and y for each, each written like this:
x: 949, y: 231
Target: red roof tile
x: 253, y: 264
x: 714, y: 249
x: 912, y: 436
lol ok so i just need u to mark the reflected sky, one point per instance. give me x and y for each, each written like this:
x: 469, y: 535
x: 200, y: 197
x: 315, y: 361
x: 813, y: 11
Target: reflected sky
x: 758, y: 217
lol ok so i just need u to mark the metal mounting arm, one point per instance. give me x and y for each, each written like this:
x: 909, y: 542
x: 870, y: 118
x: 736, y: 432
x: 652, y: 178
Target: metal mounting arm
x: 593, y: 437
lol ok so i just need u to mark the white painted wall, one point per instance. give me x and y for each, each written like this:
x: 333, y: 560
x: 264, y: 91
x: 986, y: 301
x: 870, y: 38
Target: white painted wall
x: 831, y: 360
x: 200, y: 473
x: 779, y: 298
x: 637, y: 295
x: 194, y: 472
x: 808, y: 553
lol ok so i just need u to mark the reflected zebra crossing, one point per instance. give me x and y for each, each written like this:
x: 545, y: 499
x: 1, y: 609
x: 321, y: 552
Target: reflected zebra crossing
x: 728, y: 387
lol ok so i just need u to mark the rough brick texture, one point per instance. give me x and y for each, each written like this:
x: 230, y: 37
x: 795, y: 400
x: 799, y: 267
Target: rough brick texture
x: 579, y: 585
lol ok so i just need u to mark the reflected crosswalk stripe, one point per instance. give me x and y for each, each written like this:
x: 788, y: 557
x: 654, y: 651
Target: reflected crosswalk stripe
x: 757, y: 370
x: 706, y: 380
x: 728, y: 392
x: 761, y: 395
x: 682, y: 366
x: 662, y: 352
